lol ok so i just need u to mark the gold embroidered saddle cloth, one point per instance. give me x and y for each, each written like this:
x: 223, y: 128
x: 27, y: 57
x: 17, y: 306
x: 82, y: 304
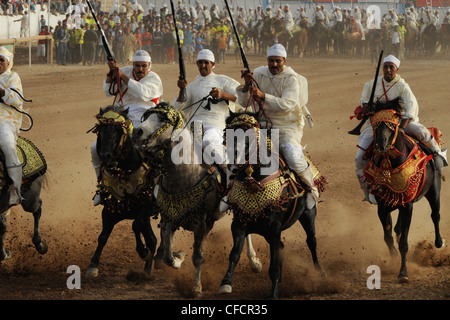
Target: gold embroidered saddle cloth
x: 31, y: 158
x: 400, y: 185
x: 249, y: 198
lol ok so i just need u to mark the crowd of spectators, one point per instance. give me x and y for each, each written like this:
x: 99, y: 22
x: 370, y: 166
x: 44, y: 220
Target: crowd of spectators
x: 129, y: 27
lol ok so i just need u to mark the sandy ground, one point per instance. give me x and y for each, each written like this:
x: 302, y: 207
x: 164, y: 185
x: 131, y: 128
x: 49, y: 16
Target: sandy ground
x: 350, y: 239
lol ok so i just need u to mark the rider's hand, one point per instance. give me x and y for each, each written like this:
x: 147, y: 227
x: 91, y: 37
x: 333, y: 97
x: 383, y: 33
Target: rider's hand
x: 182, y: 84
x: 216, y: 93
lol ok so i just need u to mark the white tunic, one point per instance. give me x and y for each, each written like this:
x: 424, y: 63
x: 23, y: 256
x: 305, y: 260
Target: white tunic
x: 198, y: 89
x: 8, y: 116
x: 138, y: 94
x: 285, y: 102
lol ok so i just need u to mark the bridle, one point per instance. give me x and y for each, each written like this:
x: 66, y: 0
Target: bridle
x: 166, y: 114
x: 112, y: 118
x: 391, y: 118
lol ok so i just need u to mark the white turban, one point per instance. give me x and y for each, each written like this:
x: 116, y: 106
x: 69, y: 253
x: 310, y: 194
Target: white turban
x: 394, y: 60
x: 206, y: 54
x: 142, y: 56
x: 8, y: 56
x: 277, y: 50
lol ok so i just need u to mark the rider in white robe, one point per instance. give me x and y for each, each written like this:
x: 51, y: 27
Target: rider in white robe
x: 10, y: 122
x: 285, y: 100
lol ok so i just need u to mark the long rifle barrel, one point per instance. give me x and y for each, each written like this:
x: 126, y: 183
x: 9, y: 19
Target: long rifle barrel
x: 106, y: 46
x: 244, y: 58
x: 180, y: 51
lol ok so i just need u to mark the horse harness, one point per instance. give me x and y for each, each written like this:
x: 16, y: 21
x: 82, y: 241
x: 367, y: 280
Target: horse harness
x: 400, y: 185
x: 121, y: 189
x: 179, y: 207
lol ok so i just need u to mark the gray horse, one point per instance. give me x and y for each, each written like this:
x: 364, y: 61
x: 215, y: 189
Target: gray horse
x: 188, y: 194
x: 34, y: 166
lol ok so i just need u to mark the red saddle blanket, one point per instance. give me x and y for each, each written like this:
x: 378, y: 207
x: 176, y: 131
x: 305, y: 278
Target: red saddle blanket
x: 400, y: 185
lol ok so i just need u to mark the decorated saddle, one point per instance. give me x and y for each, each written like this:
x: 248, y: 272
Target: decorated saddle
x: 400, y: 185
x: 32, y: 161
x: 251, y: 199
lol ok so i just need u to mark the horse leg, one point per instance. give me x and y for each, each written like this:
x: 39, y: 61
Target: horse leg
x: 255, y: 263
x: 405, y: 214
x: 41, y: 245
x: 108, y: 223
x: 433, y: 197
x: 307, y: 220
x: 238, y: 233
x: 172, y: 259
x: 275, y: 267
x: 384, y: 214
x: 197, y: 256
x: 5, y: 254
x: 142, y: 226
x: 159, y: 257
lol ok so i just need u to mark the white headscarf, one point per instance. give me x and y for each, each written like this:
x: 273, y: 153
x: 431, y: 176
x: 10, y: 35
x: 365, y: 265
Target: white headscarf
x: 206, y: 54
x: 277, y: 50
x: 8, y: 56
x: 142, y: 56
x: 394, y: 60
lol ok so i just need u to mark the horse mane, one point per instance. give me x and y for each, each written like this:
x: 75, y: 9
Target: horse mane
x: 395, y: 104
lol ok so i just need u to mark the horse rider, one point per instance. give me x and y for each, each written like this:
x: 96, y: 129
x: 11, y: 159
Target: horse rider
x: 429, y: 19
x: 10, y: 123
x: 337, y: 16
x: 284, y: 96
x: 389, y: 87
x: 213, y: 120
x: 318, y: 16
x: 141, y: 89
x: 391, y: 16
x: 357, y: 16
x: 268, y: 13
x: 289, y: 23
x: 411, y: 21
x: 447, y: 17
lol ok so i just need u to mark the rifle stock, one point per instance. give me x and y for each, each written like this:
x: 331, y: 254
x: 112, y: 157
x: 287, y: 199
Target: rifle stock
x: 357, y: 130
x: 106, y: 46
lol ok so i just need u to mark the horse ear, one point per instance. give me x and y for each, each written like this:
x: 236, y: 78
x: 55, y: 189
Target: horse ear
x: 230, y: 117
x: 125, y: 112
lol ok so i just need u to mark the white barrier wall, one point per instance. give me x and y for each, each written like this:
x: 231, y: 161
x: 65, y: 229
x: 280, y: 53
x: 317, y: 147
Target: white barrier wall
x: 10, y: 29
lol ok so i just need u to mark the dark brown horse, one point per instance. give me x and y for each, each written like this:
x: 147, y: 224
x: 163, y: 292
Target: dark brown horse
x: 264, y: 201
x: 393, y: 157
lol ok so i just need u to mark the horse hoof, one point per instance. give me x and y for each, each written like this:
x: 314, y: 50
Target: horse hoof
x: 7, y: 254
x: 226, y: 288
x: 92, y: 272
x: 255, y: 265
x: 42, y: 247
x: 403, y: 279
x: 178, y: 258
x: 442, y: 245
x: 197, y: 291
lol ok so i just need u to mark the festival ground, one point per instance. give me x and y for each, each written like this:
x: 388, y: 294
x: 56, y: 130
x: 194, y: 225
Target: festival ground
x: 350, y: 238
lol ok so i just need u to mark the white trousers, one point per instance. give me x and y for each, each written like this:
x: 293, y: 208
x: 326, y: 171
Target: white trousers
x: 294, y: 157
x: 8, y: 141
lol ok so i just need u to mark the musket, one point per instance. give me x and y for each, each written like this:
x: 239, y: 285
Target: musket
x: 180, y: 51
x: 241, y: 49
x: 106, y: 46
x: 357, y: 130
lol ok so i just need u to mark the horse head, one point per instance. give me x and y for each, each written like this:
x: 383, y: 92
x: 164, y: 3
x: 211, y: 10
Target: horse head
x: 114, y: 131
x: 385, y: 124
x: 153, y: 132
x: 254, y: 149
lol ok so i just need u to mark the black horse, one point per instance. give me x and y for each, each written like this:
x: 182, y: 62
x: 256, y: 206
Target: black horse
x: 392, y: 152
x: 36, y: 166
x: 126, y: 185
x: 276, y: 201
